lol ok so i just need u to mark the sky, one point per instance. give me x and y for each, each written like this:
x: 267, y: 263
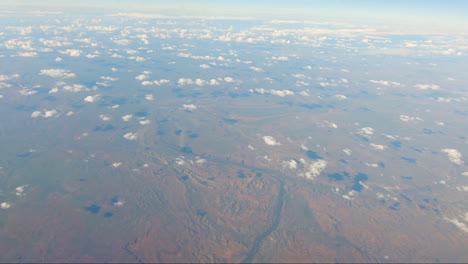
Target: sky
x: 449, y: 15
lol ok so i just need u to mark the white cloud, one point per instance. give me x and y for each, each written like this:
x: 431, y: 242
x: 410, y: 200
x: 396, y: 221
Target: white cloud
x: 91, y: 98
x: 104, y: 117
x: 145, y: 122
x: 281, y: 93
x: 465, y: 173
x: 185, y: 81
x: 366, y: 131
x: 127, y: 118
x: 149, y: 97
x: 58, y: 59
x: 377, y: 146
x: 313, y: 169
x: 117, y: 164
x: 256, y: 69
x: 205, y: 66
x: 386, y: 83
x: 57, y: 73
x: 427, y: 86
x: 71, y: 52
x: 27, y: 54
x: 141, y: 77
x: 53, y: 90
x: 454, y: 156
x: 20, y: 190
x: 130, y: 136
x: 44, y: 113
x: 347, y: 151
x: 291, y: 164
x: 74, y: 88
x: 5, y: 205
x: 281, y: 58
x: 341, y: 97
x: 107, y: 78
x: 462, y: 226
x: 269, y: 140
x: 406, y: 118
x: 228, y: 79
x: 189, y: 107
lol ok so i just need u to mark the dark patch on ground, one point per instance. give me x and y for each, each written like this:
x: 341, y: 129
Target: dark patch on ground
x: 24, y: 155
x: 428, y: 131
x: 186, y: 150
x: 311, y: 106
x: 395, y: 206
x: 241, y: 174
x: 406, y: 197
x: 178, y: 132
x: 336, y: 177
x: 94, y: 209
x: 105, y: 128
x: 230, y: 121
x: 313, y: 155
x: 395, y: 144
x: 410, y: 160
x: 108, y: 214
x: 141, y: 114
x: 360, y: 177
x: 201, y: 212
x: 407, y: 177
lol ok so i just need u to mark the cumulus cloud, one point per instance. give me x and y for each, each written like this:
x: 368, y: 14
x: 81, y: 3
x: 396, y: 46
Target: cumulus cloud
x: 291, y: 164
x: 462, y: 226
x: 127, y: 118
x: 256, y: 69
x: 347, y: 151
x: 27, y: 54
x: 281, y: 93
x: 377, y: 146
x: 149, y: 97
x: 116, y: 164
x: 71, y: 52
x: 20, y: 190
x: 104, y: 117
x: 44, y: 113
x: 5, y: 205
x: 313, y: 170
x: 341, y: 97
x: 427, y: 86
x: 189, y: 107
x: 454, y: 156
x: 269, y: 140
x: 406, y: 118
x: 205, y: 66
x: 57, y: 73
x: 74, y: 88
x: 366, y: 131
x: 130, y: 136
x: 386, y: 83
x: 91, y: 98
x: 145, y: 122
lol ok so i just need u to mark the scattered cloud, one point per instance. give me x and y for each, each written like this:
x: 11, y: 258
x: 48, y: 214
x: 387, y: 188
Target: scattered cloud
x: 366, y: 131
x: 454, y: 156
x: 127, y: 118
x: 44, y: 113
x: 57, y: 73
x: 71, y: 52
x: 291, y: 164
x: 269, y: 140
x: 116, y: 164
x: 385, y: 83
x: 427, y: 86
x: 377, y: 146
x: 130, y: 136
x: 189, y: 107
x: 91, y: 98
x: 5, y: 205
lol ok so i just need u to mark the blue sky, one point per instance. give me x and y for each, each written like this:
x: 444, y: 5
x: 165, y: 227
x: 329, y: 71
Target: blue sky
x: 449, y: 14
